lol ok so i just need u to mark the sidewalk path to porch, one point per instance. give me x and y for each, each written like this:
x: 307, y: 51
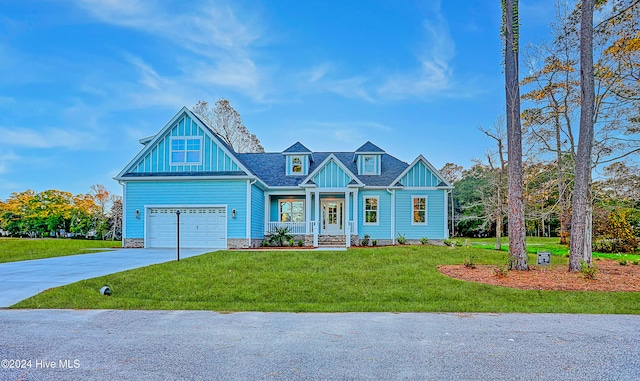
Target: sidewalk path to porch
x: 23, y: 279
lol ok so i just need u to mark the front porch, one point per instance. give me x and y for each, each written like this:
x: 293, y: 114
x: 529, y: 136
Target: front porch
x: 319, y: 218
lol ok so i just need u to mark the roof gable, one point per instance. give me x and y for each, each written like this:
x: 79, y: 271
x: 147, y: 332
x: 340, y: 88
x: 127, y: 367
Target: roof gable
x: 332, y: 173
x: 296, y: 148
x: 369, y: 147
x: 421, y: 173
x: 155, y: 157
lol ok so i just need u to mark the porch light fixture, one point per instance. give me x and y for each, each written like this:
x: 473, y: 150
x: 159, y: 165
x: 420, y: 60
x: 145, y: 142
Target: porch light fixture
x: 137, y: 214
x: 233, y: 213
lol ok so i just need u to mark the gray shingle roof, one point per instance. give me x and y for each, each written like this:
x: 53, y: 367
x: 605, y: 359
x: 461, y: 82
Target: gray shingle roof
x: 270, y: 168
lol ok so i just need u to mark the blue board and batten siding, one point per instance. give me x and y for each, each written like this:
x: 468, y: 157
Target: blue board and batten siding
x: 420, y: 176
x: 229, y: 193
x: 158, y: 158
x: 331, y: 176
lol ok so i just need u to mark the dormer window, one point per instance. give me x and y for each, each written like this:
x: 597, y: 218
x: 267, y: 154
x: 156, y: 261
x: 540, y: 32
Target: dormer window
x: 369, y: 166
x: 296, y: 165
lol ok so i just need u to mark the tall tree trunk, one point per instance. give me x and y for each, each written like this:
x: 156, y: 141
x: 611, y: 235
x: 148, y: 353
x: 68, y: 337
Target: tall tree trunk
x: 581, y: 219
x: 498, y: 244
x: 517, y: 234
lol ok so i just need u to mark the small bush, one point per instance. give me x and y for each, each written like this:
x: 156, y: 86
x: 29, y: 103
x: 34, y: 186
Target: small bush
x: 300, y: 242
x: 424, y: 240
x: 470, y: 261
x: 402, y: 240
x: 501, y: 271
x: 278, y: 237
x: 588, y: 271
x: 374, y: 242
x: 291, y: 242
x: 622, y: 262
x: 365, y: 240
x: 635, y: 262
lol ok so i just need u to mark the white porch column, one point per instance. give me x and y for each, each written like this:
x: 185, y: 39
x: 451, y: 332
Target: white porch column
x: 393, y: 216
x: 317, y: 230
x: 267, y: 212
x: 307, y: 211
x: 356, y: 216
x: 347, y: 227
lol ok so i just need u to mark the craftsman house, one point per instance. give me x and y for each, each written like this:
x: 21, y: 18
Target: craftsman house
x: 231, y: 200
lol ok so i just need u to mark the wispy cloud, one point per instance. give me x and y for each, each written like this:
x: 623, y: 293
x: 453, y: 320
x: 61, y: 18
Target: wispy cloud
x: 220, y: 43
x: 46, y: 138
x: 434, y: 74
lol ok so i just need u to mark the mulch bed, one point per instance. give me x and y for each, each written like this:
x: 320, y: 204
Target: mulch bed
x: 611, y: 276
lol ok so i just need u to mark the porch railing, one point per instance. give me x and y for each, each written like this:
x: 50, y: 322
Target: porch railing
x: 301, y: 227
x: 294, y: 227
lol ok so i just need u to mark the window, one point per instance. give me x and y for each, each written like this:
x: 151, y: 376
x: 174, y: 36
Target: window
x: 371, y: 210
x: 419, y: 209
x: 186, y: 151
x: 292, y: 211
x: 296, y: 164
x: 369, y: 165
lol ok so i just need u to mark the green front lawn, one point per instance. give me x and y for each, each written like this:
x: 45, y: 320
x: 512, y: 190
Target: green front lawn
x: 393, y: 279
x: 536, y: 244
x: 21, y: 249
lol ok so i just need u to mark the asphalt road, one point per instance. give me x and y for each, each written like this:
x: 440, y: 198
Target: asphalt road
x: 196, y: 345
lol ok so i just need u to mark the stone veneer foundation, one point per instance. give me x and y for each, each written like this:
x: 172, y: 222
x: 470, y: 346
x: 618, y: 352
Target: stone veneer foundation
x: 134, y: 242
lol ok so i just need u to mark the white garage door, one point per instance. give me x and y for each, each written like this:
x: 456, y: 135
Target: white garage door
x: 199, y: 227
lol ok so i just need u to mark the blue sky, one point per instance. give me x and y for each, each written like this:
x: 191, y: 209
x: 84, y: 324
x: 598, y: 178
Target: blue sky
x: 82, y: 80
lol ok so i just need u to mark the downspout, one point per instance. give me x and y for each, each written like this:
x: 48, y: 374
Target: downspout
x: 392, y: 192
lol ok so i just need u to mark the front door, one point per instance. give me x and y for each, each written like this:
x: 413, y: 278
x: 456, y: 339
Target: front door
x: 332, y: 217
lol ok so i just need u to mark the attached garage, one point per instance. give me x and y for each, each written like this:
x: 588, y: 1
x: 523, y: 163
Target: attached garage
x: 200, y: 227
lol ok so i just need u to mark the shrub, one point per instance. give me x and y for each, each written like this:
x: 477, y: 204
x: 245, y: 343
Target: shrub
x: 622, y: 262
x: 402, y: 240
x: 279, y: 236
x: 365, y: 240
x: 588, y: 270
x: 291, y: 242
x: 374, y: 242
x: 424, y: 240
x: 501, y: 271
x: 300, y: 242
x: 470, y: 261
x: 635, y: 262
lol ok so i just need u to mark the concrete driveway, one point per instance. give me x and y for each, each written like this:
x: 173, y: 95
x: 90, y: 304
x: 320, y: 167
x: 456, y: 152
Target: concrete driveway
x: 205, y: 345
x: 21, y: 280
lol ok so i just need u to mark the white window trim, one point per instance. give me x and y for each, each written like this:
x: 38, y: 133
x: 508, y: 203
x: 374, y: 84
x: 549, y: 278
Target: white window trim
x: 302, y: 165
x: 185, y: 138
x: 364, y: 211
x: 364, y: 168
x: 304, y: 210
x: 426, y: 210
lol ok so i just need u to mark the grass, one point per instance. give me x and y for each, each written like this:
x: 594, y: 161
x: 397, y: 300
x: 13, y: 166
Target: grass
x: 392, y: 279
x: 536, y: 244
x: 21, y: 249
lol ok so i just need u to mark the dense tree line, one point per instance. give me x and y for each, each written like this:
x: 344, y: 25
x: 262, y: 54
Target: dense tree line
x: 97, y: 214
x: 588, y: 76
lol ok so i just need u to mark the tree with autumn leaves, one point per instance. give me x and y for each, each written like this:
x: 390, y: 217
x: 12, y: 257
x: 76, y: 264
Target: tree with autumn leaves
x: 48, y: 213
